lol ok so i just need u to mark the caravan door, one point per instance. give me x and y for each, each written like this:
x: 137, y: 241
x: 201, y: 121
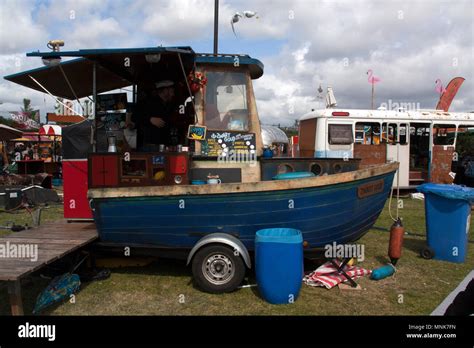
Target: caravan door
x: 398, y: 149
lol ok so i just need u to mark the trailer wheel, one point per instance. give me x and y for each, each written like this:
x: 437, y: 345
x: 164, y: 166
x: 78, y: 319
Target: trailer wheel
x: 427, y: 253
x: 217, y: 269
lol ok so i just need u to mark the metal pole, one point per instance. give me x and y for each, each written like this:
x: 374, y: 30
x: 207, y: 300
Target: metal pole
x: 216, y: 25
x: 372, y: 96
x: 94, y: 97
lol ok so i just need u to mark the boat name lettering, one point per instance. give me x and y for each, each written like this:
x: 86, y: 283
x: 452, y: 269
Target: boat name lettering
x: 371, y: 188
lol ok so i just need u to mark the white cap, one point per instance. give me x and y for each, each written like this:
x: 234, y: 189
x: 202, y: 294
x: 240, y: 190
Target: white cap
x: 164, y: 83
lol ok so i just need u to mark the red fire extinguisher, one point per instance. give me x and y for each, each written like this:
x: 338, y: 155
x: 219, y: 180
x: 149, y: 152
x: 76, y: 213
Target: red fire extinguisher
x: 396, y: 241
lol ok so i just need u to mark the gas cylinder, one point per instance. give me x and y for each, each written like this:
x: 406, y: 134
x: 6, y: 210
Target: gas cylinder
x: 383, y: 272
x: 396, y: 241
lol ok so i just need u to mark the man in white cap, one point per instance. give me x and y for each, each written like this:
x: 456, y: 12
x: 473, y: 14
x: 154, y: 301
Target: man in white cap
x: 159, y: 114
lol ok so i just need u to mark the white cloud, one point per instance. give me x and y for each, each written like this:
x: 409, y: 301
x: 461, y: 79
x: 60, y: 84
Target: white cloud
x: 18, y: 30
x: 178, y: 20
x: 94, y: 32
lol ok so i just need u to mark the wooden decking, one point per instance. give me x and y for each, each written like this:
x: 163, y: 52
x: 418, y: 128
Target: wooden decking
x: 52, y: 240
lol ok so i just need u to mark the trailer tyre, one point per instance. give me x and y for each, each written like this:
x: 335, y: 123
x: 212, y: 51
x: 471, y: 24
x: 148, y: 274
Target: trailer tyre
x: 427, y: 253
x: 218, y: 269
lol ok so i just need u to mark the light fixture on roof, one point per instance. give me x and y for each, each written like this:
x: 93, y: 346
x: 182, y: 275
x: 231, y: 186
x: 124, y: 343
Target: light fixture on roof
x: 51, y: 61
x: 55, y: 46
x: 153, y: 58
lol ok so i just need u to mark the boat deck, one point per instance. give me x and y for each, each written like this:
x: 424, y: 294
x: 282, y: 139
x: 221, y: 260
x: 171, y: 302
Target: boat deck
x: 52, y: 240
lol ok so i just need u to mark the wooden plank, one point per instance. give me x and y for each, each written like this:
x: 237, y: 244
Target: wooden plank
x: 54, y: 241
x: 9, y: 277
x: 14, y: 290
x: 83, y: 236
x: 48, y: 241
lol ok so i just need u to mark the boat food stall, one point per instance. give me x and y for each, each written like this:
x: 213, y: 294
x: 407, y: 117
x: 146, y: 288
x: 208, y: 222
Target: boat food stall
x: 175, y: 164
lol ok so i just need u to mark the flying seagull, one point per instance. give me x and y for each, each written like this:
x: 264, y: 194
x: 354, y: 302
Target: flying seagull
x: 237, y: 16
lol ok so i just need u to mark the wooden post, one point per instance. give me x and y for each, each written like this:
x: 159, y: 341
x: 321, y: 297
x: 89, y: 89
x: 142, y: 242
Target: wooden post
x: 14, y: 290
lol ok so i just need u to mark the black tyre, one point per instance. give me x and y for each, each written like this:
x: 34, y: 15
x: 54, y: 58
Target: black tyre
x: 217, y: 269
x: 427, y: 253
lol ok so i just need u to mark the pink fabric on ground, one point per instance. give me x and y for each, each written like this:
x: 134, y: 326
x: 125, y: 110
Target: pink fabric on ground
x: 326, y: 275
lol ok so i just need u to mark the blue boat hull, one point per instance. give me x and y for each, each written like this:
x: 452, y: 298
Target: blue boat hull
x: 325, y: 214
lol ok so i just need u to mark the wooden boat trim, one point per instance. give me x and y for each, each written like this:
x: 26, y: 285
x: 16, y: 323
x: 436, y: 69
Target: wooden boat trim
x: 277, y: 185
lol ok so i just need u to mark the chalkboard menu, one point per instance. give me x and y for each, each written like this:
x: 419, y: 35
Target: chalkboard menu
x: 112, y: 102
x: 219, y: 142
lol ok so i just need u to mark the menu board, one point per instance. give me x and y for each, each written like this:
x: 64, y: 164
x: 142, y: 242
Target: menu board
x: 219, y: 142
x: 111, y: 111
x: 196, y: 132
x: 111, y: 102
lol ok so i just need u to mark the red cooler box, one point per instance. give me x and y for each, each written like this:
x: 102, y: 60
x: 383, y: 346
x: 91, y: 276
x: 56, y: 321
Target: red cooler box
x: 76, y: 204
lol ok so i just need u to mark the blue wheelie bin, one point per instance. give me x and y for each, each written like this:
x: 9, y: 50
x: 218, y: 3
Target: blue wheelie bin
x: 279, y: 264
x: 448, y: 216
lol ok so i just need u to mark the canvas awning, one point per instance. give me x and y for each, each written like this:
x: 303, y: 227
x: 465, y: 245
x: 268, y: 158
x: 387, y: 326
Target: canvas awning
x: 115, y: 68
x: 49, y: 129
x: 32, y: 138
x: 7, y: 133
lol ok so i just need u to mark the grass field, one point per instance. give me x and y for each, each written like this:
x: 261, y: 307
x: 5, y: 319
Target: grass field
x: 165, y: 287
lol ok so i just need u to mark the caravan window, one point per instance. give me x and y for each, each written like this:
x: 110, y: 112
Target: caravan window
x: 389, y: 133
x: 340, y: 134
x: 226, y: 101
x: 393, y: 133
x: 443, y: 134
x: 403, y: 129
x: 465, y: 137
x: 367, y: 133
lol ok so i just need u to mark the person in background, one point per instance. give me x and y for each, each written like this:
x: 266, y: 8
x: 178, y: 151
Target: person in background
x: 130, y: 131
x: 24, y: 153
x: 3, y: 157
x: 465, y: 172
x: 158, y: 115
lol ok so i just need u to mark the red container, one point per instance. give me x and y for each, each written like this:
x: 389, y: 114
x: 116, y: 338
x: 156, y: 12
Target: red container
x: 178, y: 164
x: 75, y: 184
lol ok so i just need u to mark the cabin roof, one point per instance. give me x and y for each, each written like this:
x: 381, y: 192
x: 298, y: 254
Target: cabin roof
x: 255, y: 66
x: 419, y: 115
x: 112, y: 73
x: 112, y: 51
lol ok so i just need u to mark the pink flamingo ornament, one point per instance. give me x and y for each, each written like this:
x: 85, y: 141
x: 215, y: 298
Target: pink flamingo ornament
x: 439, y: 86
x: 373, y: 80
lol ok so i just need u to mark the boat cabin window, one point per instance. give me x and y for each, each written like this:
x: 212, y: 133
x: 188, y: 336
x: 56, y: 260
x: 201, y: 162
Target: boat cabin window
x: 340, y: 134
x: 226, y: 101
x: 443, y: 134
x: 367, y: 133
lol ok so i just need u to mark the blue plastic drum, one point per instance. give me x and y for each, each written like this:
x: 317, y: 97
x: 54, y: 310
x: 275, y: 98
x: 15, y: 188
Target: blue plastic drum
x: 279, y: 264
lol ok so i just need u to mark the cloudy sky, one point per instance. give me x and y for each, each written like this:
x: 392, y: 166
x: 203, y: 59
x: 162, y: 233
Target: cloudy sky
x: 302, y: 43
